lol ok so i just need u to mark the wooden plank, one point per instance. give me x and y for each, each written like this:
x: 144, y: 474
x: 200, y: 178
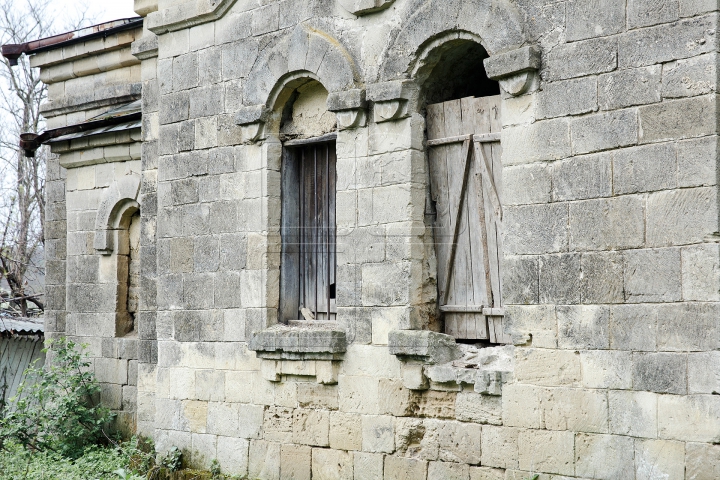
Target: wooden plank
x: 439, y: 193
x: 478, y: 287
x: 462, y: 308
x: 494, y: 103
x: 465, y: 264
x: 487, y: 137
x: 456, y: 163
x: 332, y: 185
x: 494, y: 164
x: 446, y: 141
x: 290, y: 237
x: 482, y: 138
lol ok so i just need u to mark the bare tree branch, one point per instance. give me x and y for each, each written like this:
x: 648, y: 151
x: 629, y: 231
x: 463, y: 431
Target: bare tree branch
x: 22, y: 180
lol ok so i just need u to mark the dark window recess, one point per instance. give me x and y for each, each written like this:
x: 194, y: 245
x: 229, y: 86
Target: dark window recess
x: 308, y: 263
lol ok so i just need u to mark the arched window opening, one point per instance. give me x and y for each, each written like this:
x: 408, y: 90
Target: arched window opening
x: 308, y: 224
x: 128, y: 272
x: 463, y: 123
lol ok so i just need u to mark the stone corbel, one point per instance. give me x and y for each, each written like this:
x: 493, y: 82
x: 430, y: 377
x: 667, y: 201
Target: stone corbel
x: 392, y: 99
x: 515, y: 70
x: 252, y: 122
x: 349, y: 107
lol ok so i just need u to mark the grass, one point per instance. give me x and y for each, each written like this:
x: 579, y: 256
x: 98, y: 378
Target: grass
x: 97, y: 463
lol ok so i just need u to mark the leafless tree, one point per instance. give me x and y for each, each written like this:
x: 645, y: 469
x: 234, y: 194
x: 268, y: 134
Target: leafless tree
x: 22, y: 179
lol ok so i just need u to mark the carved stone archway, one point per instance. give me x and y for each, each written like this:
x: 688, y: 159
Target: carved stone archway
x: 308, y: 53
x: 495, y: 24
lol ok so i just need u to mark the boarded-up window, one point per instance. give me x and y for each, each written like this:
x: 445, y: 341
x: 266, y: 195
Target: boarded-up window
x: 465, y: 176
x: 308, y: 261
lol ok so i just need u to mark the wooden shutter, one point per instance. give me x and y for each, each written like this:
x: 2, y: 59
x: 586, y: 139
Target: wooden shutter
x: 465, y: 179
x: 308, y: 229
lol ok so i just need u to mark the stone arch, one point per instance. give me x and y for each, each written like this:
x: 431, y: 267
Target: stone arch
x: 495, y: 24
x: 308, y: 51
x: 118, y: 200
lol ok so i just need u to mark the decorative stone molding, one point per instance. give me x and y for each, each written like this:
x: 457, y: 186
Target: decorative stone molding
x: 300, y: 340
x: 187, y: 14
x: 252, y: 122
x: 307, y: 52
x: 365, y: 7
x: 116, y: 198
x: 498, y: 25
x: 350, y: 107
x: 301, y: 348
x: 515, y: 70
x: 392, y: 99
x: 145, y: 47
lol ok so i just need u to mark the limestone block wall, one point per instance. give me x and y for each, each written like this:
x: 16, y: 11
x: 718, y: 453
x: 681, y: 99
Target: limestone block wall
x: 86, y: 79
x: 610, y: 271
x: 610, y: 275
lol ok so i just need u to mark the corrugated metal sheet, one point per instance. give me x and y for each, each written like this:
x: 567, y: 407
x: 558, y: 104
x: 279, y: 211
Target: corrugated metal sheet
x: 16, y: 354
x: 10, y: 326
x: 117, y: 112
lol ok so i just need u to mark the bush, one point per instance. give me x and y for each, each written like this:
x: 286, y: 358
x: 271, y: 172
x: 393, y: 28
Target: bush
x: 60, y: 412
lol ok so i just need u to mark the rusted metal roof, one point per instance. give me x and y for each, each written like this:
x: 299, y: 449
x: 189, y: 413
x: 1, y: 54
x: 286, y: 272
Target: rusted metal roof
x: 123, y: 112
x: 125, y: 117
x: 13, y: 51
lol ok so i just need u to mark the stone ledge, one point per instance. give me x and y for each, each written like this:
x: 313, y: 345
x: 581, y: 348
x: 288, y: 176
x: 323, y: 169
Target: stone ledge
x: 513, y: 62
x: 300, y: 341
x: 447, y: 377
x: 423, y: 346
x: 435, y: 361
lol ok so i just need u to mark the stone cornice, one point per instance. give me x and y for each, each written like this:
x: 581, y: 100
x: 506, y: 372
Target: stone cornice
x: 187, y: 15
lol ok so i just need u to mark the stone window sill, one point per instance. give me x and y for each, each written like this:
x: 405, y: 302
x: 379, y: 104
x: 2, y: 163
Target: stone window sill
x: 301, y: 348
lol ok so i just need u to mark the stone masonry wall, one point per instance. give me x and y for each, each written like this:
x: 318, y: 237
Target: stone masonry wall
x: 610, y: 261
x: 84, y: 80
x: 611, y: 275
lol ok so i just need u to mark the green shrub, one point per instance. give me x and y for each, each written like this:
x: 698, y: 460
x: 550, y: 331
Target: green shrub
x: 59, y: 412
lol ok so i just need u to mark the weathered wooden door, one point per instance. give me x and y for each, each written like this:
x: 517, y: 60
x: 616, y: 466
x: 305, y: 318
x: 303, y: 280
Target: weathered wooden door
x: 465, y: 175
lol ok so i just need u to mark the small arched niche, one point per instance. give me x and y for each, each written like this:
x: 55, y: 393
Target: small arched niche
x: 128, y: 270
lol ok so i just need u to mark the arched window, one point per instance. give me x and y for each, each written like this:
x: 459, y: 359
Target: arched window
x: 308, y: 264
x: 463, y: 149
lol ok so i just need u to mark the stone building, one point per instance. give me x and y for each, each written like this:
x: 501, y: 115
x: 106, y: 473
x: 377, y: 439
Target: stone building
x: 399, y: 239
